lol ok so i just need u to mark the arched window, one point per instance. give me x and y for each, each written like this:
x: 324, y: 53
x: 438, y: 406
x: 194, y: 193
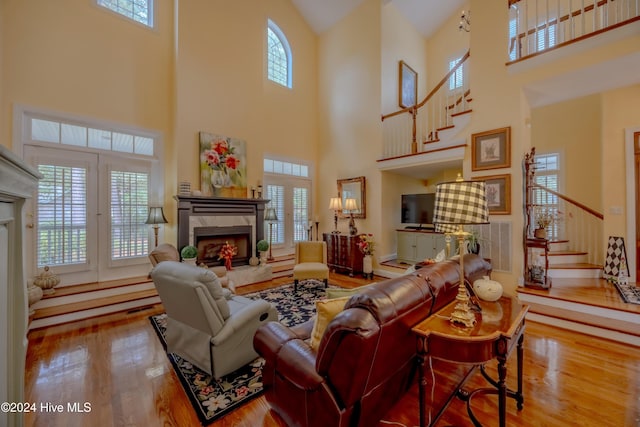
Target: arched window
x: 278, y: 56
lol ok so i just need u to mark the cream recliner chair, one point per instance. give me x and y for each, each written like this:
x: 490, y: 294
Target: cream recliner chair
x: 311, y: 262
x: 206, y: 324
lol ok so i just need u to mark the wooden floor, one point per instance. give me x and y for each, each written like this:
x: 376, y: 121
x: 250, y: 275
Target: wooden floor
x: 117, y: 364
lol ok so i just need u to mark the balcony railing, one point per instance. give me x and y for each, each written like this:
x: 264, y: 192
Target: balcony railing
x: 411, y: 130
x: 539, y: 25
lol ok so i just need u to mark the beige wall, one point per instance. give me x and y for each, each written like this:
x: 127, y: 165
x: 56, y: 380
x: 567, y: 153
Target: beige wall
x: 222, y: 86
x: 620, y: 110
x: 74, y: 57
x: 573, y: 129
x: 349, y: 75
x: 400, y: 42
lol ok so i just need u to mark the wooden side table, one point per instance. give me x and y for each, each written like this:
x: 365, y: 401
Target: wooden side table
x: 499, y: 329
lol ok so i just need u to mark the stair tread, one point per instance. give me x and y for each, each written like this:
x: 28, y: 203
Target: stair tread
x: 567, y: 252
x: 461, y: 113
x: 576, y: 266
x: 63, y: 291
x: 95, y: 303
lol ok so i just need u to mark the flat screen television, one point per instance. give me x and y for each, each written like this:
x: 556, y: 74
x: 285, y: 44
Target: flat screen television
x: 418, y: 209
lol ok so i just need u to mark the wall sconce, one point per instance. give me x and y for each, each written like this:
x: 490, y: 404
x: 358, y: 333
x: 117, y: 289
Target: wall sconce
x: 271, y: 217
x: 465, y: 21
x: 155, y: 218
x: 351, y: 205
x: 336, y: 205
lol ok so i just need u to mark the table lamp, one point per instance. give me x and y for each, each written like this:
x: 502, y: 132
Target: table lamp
x: 459, y: 203
x: 336, y: 205
x: 156, y: 217
x: 351, y: 205
x: 271, y: 217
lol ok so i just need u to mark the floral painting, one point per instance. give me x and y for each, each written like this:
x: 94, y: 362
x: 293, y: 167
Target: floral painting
x: 223, y: 166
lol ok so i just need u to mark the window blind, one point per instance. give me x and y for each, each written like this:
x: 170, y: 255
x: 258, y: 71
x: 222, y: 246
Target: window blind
x: 129, y: 201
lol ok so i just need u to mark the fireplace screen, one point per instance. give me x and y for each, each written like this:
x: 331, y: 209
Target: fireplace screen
x: 209, y: 241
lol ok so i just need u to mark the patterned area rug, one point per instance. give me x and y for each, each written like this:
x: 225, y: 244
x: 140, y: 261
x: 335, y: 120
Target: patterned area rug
x: 214, y: 400
x: 630, y: 293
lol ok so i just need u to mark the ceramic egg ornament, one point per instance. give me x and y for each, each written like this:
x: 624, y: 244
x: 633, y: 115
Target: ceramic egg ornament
x: 487, y: 289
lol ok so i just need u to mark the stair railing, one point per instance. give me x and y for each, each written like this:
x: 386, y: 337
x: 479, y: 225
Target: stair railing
x: 574, y: 222
x: 540, y: 25
x: 409, y: 130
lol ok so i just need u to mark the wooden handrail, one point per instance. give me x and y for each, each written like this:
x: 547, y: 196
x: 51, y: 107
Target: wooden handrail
x: 433, y: 91
x: 570, y: 200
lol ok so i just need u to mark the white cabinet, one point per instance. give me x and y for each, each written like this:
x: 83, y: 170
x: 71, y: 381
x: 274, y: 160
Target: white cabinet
x: 416, y: 245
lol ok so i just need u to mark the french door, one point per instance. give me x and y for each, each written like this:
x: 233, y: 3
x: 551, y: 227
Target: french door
x: 87, y: 220
x: 291, y: 198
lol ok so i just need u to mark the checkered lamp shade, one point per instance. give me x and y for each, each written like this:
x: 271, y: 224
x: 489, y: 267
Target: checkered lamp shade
x: 458, y: 203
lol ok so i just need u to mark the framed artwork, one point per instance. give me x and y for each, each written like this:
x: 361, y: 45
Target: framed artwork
x: 223, y: 166
x: 353, y: 188
x: 498, y: 188
x: 491, y: 149
x: 408, y: 86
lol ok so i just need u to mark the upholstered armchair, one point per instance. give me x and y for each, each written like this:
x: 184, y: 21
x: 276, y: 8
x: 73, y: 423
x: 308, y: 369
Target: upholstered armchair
x: 310, y: 262
x: 206, y: 324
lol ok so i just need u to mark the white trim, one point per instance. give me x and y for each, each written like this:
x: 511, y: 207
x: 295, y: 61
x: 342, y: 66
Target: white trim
x: 631, y: 201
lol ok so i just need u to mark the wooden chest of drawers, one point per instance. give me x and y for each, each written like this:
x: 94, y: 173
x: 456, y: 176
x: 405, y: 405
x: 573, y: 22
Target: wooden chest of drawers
x: 343, y: 255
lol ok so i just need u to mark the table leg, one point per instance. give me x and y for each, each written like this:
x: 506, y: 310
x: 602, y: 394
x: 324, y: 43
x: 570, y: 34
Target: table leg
x: 520, y: 353
x: 502, y: 390
x: 422, y: 388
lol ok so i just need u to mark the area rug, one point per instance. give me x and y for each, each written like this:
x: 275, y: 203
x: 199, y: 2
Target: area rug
x: 215, y: 399
x: 630, y: 293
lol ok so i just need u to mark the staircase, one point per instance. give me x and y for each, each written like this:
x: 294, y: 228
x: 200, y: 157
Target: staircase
x: 565, y: 262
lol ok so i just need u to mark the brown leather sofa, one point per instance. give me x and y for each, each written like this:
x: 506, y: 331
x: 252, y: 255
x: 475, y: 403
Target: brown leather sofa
x: 366, y: 358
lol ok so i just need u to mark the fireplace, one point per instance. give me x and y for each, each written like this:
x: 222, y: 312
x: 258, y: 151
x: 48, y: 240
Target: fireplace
x: 208, y: 222
x: 209, y: 241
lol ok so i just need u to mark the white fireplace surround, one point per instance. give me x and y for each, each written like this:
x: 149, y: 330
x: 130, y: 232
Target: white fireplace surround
x: 222, y: 221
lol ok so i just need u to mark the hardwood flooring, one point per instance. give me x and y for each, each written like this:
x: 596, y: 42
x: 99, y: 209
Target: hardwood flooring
x: 117, y: 364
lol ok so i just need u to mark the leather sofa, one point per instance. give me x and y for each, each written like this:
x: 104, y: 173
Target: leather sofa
x: 366, y: 358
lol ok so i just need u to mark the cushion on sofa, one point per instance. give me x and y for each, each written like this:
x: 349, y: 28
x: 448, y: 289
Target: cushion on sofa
x: 331, y: 293
x: 326, y: 310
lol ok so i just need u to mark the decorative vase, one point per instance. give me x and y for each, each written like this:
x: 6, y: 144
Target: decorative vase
x: 47, y: 280
x: 540, y: 233
x: 227, y: 264
x: 367, y: 266
x: 473, y: 249
x: 190, y: 261
x: 263, y: 257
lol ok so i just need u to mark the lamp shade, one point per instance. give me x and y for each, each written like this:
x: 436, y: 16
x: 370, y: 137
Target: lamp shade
x: 156, y: 216
x: 350, y: 205
x: 335, y: 204
x: 459, y: 203
x: 270, y: 214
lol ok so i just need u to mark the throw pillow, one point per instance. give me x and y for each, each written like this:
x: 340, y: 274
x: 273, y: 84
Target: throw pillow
x: 326, y: 310
x: 344, y: 292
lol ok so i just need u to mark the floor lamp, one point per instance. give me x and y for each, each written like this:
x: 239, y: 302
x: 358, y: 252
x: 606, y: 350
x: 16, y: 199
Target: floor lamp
x: 155, y: 218
x: 270, y: 215
x: 460, y: 203
x: 336, y: 205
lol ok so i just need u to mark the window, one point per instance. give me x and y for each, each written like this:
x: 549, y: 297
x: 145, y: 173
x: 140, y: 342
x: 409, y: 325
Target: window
x: 456, y: 79
x: 129, y: 205
x: 546, y: 37
x: 137, y: 10
x: 278, y: 56
x: 547, y: 174
x: 288, y: 187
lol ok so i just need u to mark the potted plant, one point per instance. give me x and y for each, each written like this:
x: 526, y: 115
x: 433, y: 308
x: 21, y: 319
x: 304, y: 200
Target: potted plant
x: 543, y: 218
x: 263, y: 247
x: 189, y: 254
x: 473, y: 245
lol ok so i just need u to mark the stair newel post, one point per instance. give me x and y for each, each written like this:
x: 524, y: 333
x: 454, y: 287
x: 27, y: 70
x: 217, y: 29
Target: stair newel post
x: 414, y: 143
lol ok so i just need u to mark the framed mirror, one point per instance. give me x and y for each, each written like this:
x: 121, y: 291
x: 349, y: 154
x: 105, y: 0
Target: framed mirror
x: 353, y: 188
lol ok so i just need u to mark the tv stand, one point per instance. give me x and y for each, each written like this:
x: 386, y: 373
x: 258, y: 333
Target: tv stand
x: 427, y: 227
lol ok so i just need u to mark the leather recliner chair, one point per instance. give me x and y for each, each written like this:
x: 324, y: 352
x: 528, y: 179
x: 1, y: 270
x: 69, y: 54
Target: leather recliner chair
x: 366, y: 359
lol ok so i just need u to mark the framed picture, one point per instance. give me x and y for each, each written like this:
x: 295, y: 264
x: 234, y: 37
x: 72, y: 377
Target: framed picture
x: 491, y: 149
x: 408, y: 86
x: 498, y: 189
x: 223, y: 166
x: 353, y: 188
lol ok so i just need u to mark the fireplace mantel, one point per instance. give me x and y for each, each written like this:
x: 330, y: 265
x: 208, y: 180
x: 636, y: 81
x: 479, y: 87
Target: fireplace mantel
x: 194, y: 206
